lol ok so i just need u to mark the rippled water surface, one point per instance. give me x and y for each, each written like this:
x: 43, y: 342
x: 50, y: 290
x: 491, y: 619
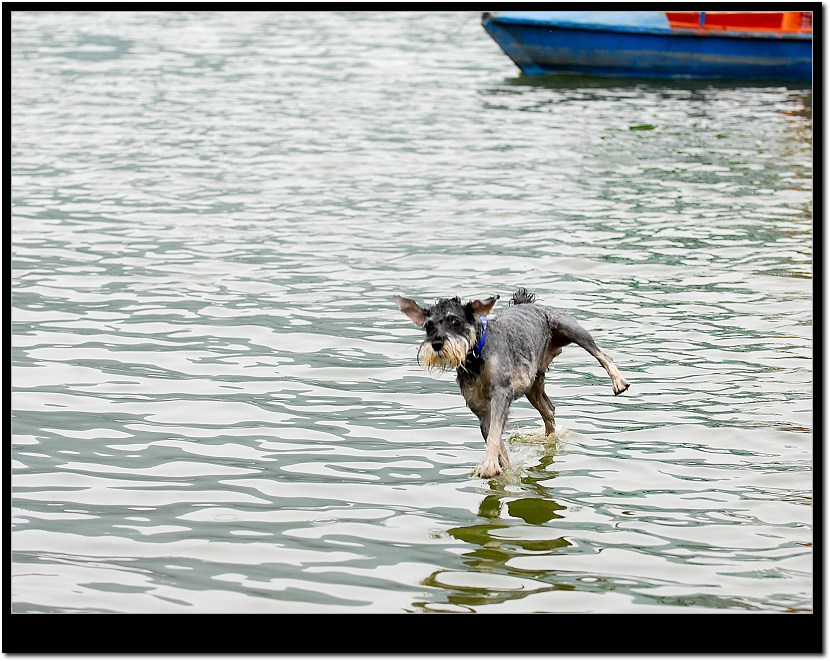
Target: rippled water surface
x: 217, y: 405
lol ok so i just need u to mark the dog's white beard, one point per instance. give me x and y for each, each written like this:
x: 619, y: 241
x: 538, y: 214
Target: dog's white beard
x: 450, y: 357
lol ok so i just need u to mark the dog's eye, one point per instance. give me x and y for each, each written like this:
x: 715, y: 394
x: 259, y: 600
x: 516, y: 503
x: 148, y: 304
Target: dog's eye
x: 456, y: 323
x: 429, y: 326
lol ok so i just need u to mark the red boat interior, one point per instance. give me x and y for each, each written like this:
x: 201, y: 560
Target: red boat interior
x: 742, y: 21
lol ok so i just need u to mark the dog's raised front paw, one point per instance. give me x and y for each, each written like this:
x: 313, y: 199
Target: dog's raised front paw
x: 620, y: 385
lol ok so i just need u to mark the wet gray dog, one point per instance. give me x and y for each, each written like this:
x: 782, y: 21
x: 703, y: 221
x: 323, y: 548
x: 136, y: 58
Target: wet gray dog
x: 500, y: 359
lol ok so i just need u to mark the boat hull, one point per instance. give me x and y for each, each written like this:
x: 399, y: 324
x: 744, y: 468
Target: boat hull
x: 544, y: 48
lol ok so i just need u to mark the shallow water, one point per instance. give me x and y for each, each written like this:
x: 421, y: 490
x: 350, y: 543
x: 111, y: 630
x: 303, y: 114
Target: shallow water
x: 216, y: 403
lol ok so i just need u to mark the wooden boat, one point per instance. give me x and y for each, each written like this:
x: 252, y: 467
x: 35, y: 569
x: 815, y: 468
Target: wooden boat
x: 741, y: 45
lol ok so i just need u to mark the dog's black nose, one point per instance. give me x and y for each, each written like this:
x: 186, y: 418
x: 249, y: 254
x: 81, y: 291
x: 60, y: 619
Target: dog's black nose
x: 437, y: 344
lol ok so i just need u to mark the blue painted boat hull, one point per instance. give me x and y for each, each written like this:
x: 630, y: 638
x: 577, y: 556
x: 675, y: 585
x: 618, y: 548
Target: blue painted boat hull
x: 542, y: 47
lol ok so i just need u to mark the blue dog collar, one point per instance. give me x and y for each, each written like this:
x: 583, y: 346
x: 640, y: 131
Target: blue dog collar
x: 480, y: 346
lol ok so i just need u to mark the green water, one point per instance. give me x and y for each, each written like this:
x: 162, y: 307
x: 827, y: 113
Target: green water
x: 216, y: 403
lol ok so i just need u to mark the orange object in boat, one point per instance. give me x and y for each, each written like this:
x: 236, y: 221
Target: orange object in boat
x: 800, y: 22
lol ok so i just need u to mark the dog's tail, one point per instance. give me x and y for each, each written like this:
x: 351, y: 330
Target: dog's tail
x: 521, y: 296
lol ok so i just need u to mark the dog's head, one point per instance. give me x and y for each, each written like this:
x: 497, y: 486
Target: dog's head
x: 450, y: 328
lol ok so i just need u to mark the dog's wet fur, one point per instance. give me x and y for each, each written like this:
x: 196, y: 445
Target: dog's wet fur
x: 520, y: 344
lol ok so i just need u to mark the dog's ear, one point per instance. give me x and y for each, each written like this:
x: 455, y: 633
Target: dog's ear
x: 411, y: 309
x: 483, y: 307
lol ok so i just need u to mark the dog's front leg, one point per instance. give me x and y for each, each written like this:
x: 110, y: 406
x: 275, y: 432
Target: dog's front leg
x: 495, y: 452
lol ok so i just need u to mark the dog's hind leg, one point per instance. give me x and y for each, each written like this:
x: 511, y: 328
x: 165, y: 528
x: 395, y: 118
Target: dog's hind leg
x: 539, y: 398
x: 566, y: 329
